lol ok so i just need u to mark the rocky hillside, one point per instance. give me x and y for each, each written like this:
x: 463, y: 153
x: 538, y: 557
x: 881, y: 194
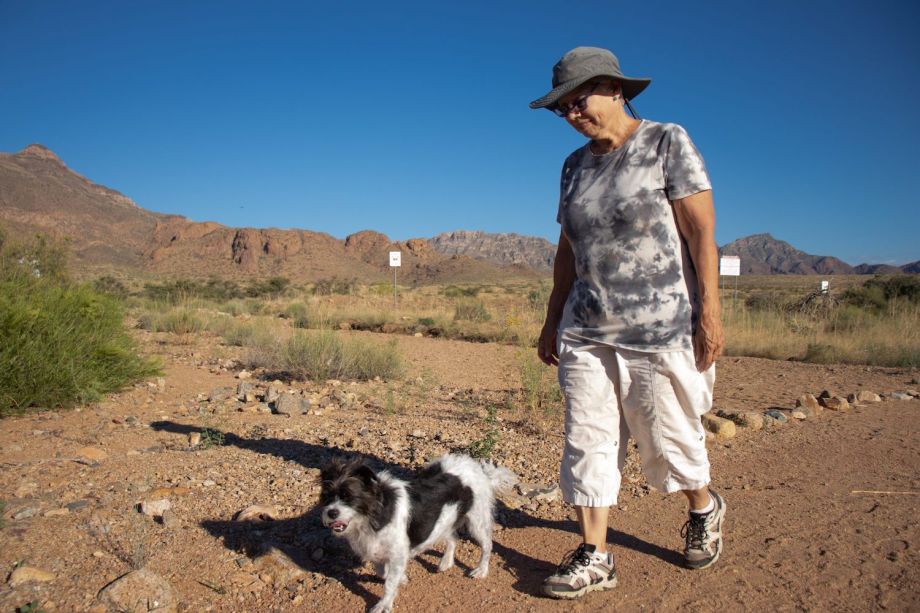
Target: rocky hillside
x: 107, y: 231
x: 761, y: 254
x: 504, y: 249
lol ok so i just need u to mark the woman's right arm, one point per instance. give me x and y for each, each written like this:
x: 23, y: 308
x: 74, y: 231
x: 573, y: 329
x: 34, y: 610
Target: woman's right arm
x: 563, y: 278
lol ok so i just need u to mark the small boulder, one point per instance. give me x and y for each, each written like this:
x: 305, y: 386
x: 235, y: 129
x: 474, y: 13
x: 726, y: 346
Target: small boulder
x: 289, y: 404
x: 219, y: 394
x: 140, y: 590
x: 244, y: 389
x: 745, y: 419
x: 155, y: 508
x: 799, y: 415
x: 27, y: 574
x: 274, y: 391
x: 194, y: 439
x: 721, y: 428
x: 835, y: 403
x: 900, y: 396
x: 808, y: 405
x: 776, y: 415
x: 92, y: 454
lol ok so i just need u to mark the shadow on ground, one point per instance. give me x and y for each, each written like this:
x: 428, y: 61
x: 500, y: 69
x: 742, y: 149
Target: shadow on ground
x: 310, y: 546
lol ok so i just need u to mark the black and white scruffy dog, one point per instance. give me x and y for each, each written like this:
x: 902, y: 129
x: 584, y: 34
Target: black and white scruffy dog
x: 388, y: 521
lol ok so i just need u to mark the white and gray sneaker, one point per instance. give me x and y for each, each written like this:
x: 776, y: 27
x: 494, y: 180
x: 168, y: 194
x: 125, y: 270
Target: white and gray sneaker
x: 703, y: 534
x: 581, y: 571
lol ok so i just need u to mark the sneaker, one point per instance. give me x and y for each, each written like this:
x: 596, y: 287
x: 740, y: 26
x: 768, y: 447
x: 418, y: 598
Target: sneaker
x: 704, y: 535
x: 580, y: 572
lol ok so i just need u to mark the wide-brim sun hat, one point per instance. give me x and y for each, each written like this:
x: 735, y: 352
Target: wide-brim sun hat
x: 582, y: 64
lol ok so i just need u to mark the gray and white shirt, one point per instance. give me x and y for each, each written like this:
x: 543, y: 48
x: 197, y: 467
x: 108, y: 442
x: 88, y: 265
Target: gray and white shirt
x: 636, y: 286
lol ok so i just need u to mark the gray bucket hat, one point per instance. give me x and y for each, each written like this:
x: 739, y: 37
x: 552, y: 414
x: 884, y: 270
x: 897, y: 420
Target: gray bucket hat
x: 584, y: 63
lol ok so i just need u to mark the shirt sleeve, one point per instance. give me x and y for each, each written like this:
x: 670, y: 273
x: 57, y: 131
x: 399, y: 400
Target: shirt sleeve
x: 684, y: 170
x: 564, y: 181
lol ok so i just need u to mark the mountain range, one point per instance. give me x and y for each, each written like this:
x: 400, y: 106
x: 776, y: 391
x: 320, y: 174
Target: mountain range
x: 109, y: 232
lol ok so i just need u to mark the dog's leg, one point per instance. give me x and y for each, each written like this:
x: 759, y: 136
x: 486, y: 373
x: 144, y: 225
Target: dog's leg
x: 395, y: 575
x: 481, y: 530
x: 447, y: 560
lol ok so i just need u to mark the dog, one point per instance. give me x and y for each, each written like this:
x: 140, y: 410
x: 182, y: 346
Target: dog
x: 389, y: 521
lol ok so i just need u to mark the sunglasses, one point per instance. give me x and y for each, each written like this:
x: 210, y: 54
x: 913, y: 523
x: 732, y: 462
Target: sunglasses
x: 579, y: 104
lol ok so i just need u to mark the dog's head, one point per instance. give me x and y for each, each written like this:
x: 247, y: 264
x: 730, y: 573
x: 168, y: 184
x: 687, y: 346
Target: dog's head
x: 351, y: 494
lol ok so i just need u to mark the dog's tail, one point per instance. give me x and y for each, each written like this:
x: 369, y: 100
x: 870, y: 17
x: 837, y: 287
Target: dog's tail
x: 500, y: 477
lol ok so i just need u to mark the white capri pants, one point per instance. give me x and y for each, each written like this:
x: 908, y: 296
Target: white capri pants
x: 612, y: 393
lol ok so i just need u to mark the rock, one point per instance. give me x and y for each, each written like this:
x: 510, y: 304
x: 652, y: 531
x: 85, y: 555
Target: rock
x: 418, y: 335
x: 258, y: 513
x: 745, y: 419
x: 219, y: 394
x: 171, y: 520
x: 194, y: 439
x: 799, y: 415
x: 900, y: 396
x: 826, y: 394
x: 92, y: 454
x: 25, y: 574
x: 25, y: 513
x: 76, y: 505
x: 274, y: 391
x: 721, y: 428
x: 155, y: 508
x: 57, y: 512
x: 913, y: 393
x: 809, y: 402
x: 835, y: 403
x: 417, y: 433
x: 243, y: 374
x: 26, y: 490
x: 140, y: 590
x: 776, y: 415
x: 543, y: 493
x: 290, y: 405
x: 166, y: 492
x: 209, y: 483
x: 161, y: 384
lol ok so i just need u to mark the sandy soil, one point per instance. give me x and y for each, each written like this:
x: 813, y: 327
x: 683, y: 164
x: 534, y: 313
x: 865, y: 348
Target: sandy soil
x: 798, y: 534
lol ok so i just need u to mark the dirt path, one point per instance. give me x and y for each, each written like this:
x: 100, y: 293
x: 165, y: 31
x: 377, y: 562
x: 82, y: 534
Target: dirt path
x: 797, y: 537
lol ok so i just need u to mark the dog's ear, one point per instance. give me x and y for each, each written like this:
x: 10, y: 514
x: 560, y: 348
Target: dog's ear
x: 366, y: 475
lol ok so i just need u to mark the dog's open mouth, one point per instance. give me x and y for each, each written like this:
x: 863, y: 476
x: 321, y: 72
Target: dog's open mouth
x: 338, y: 526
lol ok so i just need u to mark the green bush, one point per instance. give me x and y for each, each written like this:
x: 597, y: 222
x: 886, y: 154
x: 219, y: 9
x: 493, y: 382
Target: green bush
x: 61, y: 346
x: 538, y: 297
x: 299, y: 314
x: 271, y: 288
x: 177, y: 321
x: 328, y: 287
x: 110, y: 285
x: 471, y: 310
x: 878, y: 291
x: 454, y: 291
x: 325, y: 355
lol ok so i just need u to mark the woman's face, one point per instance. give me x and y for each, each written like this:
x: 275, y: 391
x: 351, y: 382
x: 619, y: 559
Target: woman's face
x: 590, y: 106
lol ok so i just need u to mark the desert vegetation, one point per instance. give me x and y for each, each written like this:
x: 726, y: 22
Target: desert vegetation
x: 61, y: 343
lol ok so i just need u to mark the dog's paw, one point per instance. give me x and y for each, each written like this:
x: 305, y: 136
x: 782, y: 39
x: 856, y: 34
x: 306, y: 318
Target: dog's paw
x: 381, y: 608
x: 445, y: 565
x: 479, y: 573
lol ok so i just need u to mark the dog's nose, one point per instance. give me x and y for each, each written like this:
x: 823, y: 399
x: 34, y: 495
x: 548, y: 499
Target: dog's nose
x: 332, y: 513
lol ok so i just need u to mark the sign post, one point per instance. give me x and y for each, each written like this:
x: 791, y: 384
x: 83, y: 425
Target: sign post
x: 395, y: 262
x: 730, y: 266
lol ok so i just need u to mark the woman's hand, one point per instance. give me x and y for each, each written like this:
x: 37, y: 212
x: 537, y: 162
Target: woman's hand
x: 708, y: 339
x: 546, y: 346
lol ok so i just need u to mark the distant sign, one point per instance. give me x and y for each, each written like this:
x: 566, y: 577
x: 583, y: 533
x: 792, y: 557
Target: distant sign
x: 730, y: 265
x: 396, y: 258
x: 824, y: 286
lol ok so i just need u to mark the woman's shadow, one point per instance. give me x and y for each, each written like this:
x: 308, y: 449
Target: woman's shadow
x: 309, y: 545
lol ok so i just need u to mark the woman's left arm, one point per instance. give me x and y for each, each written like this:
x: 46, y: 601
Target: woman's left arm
x: 696, y: 222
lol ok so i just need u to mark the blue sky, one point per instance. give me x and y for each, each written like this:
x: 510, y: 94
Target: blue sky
x: 411, y: 118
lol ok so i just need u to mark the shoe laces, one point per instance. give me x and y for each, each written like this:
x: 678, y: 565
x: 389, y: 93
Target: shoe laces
x: 573, y: 560
x: 695, y: 531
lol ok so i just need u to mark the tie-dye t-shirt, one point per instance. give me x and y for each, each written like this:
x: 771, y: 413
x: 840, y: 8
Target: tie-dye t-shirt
x: 636, y: 286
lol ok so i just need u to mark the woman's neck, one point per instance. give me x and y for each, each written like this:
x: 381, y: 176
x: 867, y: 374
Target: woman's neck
x: 615, y: 134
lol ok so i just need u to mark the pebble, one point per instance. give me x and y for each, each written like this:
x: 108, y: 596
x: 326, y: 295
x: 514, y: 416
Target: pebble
x: 900, y: 396
x: 720, y: 428
x: 776, y: 415
x: 140, y: 590
x: 25, y: 574
x: 57, y: 512
x: 171, y: 520
x: 243, y: 374
x: 155, y: 508
x: 76, y: 505
x: 194, y: 439
x: 209, y: 483
x: 808, y: 403
x: 417, y: 433
x: 539, y: 493
x: 93, y: 454
x: 25, y: 513
x: 867, y: 396
x: 799, y: 415
x: 836, y: 403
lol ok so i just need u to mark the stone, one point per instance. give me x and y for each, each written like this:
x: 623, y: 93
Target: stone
x: 161, y: 384
x: 776, y: 415
x: 836, y: 403
x: 140, y: 590
x: 913, y: 393
x: 769, y: 423
x: 799, y: 415
x: 900, y: 396
x: 170, y: 520
x: 155, y: 508
x: 166, y: 492
x: 745, y: 419
x: 219, y: 394
x: 826, y: 394
x: 541, y: 493
x: 25, y: 513
x: 290, y: 405
x: 57, y: 512
x: 26, y: 574
x: 418, y: 335
x: 274, y: 391
x: 194, y: 439
x: 76, y: 505
x: 417, y: 433
x: 243, y: 374
x: 721, y: 428
x: 809, y: 402
x: 244, y: 389
x: 26, y: 490
x: 258, y: 513
x: 92, y: 454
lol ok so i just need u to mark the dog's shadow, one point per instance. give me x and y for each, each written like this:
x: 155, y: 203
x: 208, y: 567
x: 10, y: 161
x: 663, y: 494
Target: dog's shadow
x: 312, y: 548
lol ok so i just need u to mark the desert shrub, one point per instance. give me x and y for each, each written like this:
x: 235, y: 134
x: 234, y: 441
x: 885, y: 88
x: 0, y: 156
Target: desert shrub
x: 426, y: 321
x: 179, y: 320
x: 334, y: 285
x: 879, y: 291
x: 184, y: 290
x: 381, y: 289
x: 538, y: 297
x: 471, y: 310
x: 108, y: 284
x: 242, y: 333
x: 325, y: 355
x: 299, y: 314
x: 454, y: 291
x: 273, y: 287
x: 36, y: 258
x: 61, y: 346
x: 483, y: 448
x: 542, y: 395
x: 765, y: 300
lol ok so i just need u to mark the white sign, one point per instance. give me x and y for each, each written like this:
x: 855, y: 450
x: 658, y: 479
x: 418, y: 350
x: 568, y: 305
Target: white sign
x: 396, y: 258
x: 730, y: 265
x: 824, y: 286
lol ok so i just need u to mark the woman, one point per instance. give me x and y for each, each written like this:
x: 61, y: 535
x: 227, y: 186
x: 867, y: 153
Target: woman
x: 633, y: 321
